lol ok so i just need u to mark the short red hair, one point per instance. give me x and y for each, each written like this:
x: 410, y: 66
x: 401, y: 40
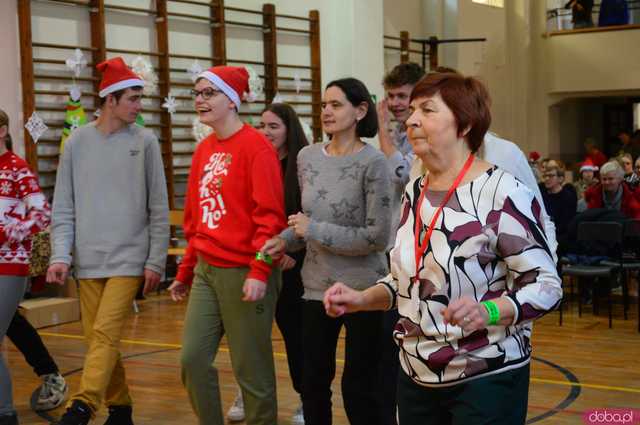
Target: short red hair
x: 467, y: 98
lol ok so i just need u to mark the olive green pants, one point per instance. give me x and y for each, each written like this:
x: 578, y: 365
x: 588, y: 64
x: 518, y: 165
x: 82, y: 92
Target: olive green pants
x: 216, y: 308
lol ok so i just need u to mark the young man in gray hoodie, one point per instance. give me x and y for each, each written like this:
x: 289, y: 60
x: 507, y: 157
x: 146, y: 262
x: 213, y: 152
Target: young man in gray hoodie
x: 110, y: 219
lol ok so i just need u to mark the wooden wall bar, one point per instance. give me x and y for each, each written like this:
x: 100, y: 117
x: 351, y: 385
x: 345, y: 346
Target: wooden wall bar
x: 269, y: 44
x: 26, y: 66
x: 174, y: 132
x: 164, y: 75
x: 316, y: 74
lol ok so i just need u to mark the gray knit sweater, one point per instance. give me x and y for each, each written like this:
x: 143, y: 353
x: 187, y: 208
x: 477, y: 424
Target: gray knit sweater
x: 349, y: 201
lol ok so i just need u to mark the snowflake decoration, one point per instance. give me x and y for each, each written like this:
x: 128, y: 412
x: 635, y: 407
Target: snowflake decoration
x: 170, y: 104
x: 297, y: 82
x: 36, y: 127
x: 76, y: 63
x: 143, y: 68
x: 195, y: 70
x: 75, y: 92
x: 199, y: 130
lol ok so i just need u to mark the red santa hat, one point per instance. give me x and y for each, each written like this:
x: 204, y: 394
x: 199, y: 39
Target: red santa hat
x: 234, y: 81
x: 116, y: 75
x: 588, y: 165
x: 534, y: 156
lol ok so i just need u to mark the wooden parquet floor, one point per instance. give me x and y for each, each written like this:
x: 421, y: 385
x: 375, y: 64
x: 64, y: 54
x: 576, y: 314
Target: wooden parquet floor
x: 581, y: 365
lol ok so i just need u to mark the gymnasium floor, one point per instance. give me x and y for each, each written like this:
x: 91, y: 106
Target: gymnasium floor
x: 579, y: 366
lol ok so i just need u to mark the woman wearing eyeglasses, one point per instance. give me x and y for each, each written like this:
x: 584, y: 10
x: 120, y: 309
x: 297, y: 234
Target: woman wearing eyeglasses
x: 470, y: 270
x: 234, y: 204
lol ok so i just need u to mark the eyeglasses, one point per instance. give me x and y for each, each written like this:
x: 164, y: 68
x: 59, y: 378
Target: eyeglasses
x: 549, y: 176
x: 207, y: 93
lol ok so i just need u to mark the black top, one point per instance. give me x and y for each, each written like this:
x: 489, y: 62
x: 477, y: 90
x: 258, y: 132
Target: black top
x: 561, y: 207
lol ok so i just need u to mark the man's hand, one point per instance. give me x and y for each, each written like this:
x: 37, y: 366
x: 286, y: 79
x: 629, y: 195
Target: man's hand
x: 151, y: 281
x: 58, y: 273
x: 253, y: 290
x: 384, y: 120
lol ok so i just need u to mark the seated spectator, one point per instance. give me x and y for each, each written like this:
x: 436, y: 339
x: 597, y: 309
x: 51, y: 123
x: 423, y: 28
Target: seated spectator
x: 560, y: 200
x: 613, y: 193
x: 587, y: 179
x: 626, y: 162
x: 594, y: 154
x: 613, y: 12
x: 581, y: 13
x: 636, y: 167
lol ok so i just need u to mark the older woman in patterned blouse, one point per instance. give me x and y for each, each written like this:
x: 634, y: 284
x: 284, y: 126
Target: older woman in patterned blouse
x: 483, y: 265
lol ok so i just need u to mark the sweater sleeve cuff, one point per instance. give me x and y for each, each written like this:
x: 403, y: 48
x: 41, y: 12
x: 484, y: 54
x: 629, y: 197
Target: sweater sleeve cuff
x: 64, y: 259
x: 185, y: 275
x: 259, y: 270
x: 517, y: 308
x: 154, y: 268
x: 392, y: 295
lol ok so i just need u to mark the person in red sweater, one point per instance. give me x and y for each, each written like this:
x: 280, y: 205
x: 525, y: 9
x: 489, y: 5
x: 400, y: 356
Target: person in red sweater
x: 613, y: 193
x: 234, y: 204
x: 24, y: 211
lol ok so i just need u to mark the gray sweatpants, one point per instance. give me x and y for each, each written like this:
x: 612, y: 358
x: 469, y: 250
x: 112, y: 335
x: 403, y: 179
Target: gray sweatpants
x: 11, y: 292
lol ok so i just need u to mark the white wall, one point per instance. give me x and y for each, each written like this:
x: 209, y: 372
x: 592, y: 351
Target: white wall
x: 10, y: 88
x: 351, y: 42
x: 597, y: 61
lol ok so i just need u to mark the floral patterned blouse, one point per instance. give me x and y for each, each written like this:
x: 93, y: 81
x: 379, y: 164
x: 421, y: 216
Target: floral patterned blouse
x: 488, y: 242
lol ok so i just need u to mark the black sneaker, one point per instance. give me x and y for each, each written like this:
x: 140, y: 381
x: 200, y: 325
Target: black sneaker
x: 8, y: 420
x: 119, y: 415
x: 78, y: 414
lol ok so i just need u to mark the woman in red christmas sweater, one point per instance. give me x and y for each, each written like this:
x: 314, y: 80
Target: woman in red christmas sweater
x: 23, y: 212
x: 234, y: 204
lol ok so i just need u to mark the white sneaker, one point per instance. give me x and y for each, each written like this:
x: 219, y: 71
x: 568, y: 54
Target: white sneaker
x: 298, y: 416
x: 236, y: 411
x: 52, y: 392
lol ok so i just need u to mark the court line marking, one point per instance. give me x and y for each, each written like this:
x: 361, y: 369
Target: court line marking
x: 278, y: 354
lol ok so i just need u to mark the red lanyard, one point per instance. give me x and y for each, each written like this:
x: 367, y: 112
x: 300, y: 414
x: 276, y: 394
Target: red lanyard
x: 420, y: 249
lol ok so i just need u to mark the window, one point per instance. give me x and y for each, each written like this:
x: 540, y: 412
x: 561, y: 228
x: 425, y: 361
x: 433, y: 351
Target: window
x: 494, y: 3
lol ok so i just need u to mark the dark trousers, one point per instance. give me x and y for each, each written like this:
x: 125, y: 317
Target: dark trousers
x: 389, y: 367
x: 289, y: 319
x: 26, y: 339
x: 499, y: 399
x: 360, y: 391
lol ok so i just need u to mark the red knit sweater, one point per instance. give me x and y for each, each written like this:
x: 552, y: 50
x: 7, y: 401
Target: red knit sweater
x: 24, y: 211
x: 234, y: 203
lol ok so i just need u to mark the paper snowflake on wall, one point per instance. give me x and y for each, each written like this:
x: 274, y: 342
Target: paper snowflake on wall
x: 199, y: 130
x: 256, y: 86
x: 170, y: 104
x: 144, y: 69
x: 75, y: 92
x: 76, y: 63
x: 36, y: 127
x: 194, y: 70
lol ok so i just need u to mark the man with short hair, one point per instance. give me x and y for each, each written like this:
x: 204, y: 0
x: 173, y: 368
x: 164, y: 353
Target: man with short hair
x: 398, y: 85
x: 110, y: 218
x: 613, y: 193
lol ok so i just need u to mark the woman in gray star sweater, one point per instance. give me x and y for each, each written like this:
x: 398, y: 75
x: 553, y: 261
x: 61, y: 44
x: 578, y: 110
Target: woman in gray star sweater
x: 345, y: 222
